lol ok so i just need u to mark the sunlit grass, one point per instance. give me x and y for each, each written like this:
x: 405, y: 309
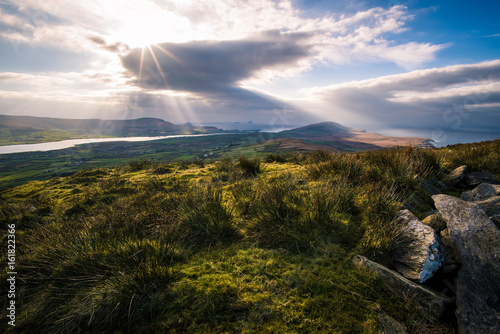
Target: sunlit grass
x: 263, y: 246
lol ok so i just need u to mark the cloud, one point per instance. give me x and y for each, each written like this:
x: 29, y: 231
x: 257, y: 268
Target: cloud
x: 213, y: 69
x: 465, y: 97
x: 208, y: 65
x: 198, y: 56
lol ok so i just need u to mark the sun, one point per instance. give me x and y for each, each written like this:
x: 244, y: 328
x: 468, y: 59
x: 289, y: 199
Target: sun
x: 142, y: 23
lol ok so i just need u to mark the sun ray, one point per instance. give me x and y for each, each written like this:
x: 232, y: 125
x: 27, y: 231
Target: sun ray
x: 174, y: 57
x: 140, y: 66
x: 159, y: 67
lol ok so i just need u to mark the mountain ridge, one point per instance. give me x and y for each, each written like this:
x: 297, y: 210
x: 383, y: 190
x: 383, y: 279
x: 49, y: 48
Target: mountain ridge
x: 31, y: 129
x: 335, y: 135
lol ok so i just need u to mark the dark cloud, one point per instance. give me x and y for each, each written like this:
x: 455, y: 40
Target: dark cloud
x: 114, y: 47
x: 207, y: 66
x: 212, y: 70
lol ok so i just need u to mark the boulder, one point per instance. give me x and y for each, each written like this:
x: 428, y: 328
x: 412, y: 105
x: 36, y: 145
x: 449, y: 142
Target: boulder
x: 492, y: 208
x: 481, y: 192
x: 389, y: 325
x: 431, y: 300
x: 472, y: 179
x: 436, y: 221
x: 427, y: 186
x: 456, y: 176
x: 477, y: 243
x: 423, y: 254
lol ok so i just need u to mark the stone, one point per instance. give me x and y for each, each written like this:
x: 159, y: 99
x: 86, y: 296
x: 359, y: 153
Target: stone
x: 477, y: 243
x: 418, y: 203
x: 481, y: 192
x: 450, y: 263
x: 427, y: 186
x: 436, y: 221
x: 491, y: 206
x: 439, y: 184
x: 401, y: 286
x: 389, y: 325
x: 472, y: 179
x: 423, y: 254
x: 456, y: 176
x: 446, y: 239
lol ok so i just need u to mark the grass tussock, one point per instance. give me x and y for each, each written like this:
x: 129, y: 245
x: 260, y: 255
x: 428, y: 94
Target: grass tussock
x: 246, y: 246
x: 484, y: 156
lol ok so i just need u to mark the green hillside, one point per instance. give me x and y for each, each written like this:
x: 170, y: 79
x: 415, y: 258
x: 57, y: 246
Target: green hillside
x: 236, y: 245
x: 29, y: 130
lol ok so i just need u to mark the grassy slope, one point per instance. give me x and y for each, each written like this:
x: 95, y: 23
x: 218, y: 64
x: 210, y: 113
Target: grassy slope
x: 232, y: 246
x: 29, y: 130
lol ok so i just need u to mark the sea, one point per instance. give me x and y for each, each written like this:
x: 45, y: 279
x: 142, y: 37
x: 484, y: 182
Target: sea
x: 442, y: 138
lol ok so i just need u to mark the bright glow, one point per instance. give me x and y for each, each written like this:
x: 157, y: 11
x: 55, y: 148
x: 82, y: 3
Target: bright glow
x: 141, y: 23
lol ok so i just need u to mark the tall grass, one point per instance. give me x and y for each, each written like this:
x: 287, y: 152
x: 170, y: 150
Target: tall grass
x: 484, y: 156
x: 246, y: 246
x: 299, y: 218
x: 249, y: 167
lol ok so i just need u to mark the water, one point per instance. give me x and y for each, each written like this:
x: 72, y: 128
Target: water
x: 444, y: 138
x: 58, y: 145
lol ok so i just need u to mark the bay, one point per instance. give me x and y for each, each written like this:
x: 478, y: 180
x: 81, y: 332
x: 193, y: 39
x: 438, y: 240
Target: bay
x: 58, y: 145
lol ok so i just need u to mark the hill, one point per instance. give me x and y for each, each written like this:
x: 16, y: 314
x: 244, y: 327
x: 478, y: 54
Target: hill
x: 28, y: 129
x: 348, y: 139
x: 234, y: 245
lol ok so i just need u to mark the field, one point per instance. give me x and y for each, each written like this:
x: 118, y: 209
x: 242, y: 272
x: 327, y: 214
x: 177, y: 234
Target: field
x: 261, y: 243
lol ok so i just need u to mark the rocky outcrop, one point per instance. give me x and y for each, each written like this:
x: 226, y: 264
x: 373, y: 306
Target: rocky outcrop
x: 476, y: 241
x: 456, y: 176
x: 472, y: 179
x: 481, y: 192
x: 423, y: 255
x: 431, y: 300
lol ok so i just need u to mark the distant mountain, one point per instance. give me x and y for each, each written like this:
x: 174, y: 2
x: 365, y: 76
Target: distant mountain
x: 326, y: 135
x: 325, y: 128
x: 340, y: 137
x: 28, y: 129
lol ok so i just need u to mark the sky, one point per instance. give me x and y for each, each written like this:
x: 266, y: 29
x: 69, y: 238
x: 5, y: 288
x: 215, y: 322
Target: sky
x: 396, y: 67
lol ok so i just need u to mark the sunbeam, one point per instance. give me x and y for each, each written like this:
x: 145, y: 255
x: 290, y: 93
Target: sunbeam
x: 158, y: 67
x: 141, y: 63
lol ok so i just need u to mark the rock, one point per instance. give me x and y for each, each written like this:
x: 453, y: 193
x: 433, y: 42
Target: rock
x: 496, y: 221
x: 477, y: 242
x: 472, y: 179
x: 422, y: 256
x: 456, y: 175
x: 438, y: 184
x: 432, y: 300
x: 446, y: 239
x: 481, y: 192
x: 418, y: 203
x: 427, y: 186
x: 389, y: 325
x: 436, y: 221
x: 450, y: 263
x: 491, y: 206
x: 497, y: 188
